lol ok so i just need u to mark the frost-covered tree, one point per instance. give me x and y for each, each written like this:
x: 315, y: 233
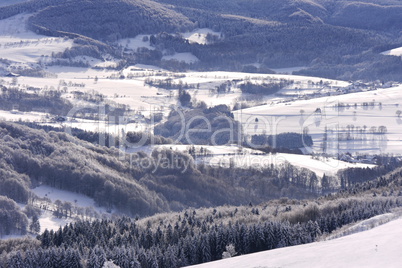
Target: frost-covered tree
x: 110, y: 264
x: 35, y: 225
x: 230, y: 252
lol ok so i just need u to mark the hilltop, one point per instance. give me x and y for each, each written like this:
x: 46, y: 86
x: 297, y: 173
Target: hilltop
x: 322, y: 36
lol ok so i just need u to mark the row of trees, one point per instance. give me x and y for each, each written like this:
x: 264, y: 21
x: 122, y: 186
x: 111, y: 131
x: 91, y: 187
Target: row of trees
x: 168, y: 83
x: 50, y: 100
x: 191, y: 237
x: 284, y: 140
x: 264, y: 88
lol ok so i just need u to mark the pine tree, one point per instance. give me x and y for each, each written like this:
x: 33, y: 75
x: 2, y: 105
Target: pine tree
x: 16, y: 261
x: 204, y: 250
x: 71, y: 259
x: 97, y: 258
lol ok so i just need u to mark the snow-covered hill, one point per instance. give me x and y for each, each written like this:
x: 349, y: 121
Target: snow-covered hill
x: 378, y: 247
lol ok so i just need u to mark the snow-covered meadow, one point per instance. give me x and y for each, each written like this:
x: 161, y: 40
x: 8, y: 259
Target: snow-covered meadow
x: 23, y: 46
x: 360, y: 117
x: 199, y: 36
x: 49, y: 221
x: 226, y: 156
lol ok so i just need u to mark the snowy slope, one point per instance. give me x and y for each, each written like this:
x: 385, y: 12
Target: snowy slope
x: 378, y: 247
x: 47, y: 220
x: 136, y: 42
x: 50, y: 222
x: 65, y: 196
x: 21, y: 45
x: 393, y: 52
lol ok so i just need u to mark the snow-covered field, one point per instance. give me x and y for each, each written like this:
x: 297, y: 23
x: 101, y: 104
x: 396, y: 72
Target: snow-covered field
x: 50, y: 222
x: 47, y: 220
x: 224, y: 156
x: 140, y: 97
x: 209, y: 80
x: 22, y: 116
x: 378, y: 247
x: 362, y: 114
x: 56, y: 194
x: 200, y: 35
x: 139, y: 41
x: 21, y: 45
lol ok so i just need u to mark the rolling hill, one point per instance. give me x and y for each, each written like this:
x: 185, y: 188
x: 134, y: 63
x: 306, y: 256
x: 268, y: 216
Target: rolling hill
x: 109, y: 20
x: 332, y: 39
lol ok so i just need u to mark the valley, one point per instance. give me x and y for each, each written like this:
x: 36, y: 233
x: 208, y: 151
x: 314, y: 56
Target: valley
x: 159, y: 133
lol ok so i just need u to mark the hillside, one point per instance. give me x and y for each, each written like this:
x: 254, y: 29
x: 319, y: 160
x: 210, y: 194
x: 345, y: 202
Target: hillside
x: 373, y: 248
x: 196, y: 236
x: 331, y: 39
x: 174, y: 133
x: 136, y: 184
x: 108, y: 20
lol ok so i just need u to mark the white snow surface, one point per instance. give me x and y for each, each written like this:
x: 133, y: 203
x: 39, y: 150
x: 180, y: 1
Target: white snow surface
x: 23, y: 116
x: 136, y: 42
x: 275, y: 118
x: 50, y: 222
x: 21, y: 45
x: 199, y: 35
x: 65, y: 196
x: 393, y: 52
x: 378, y: 247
